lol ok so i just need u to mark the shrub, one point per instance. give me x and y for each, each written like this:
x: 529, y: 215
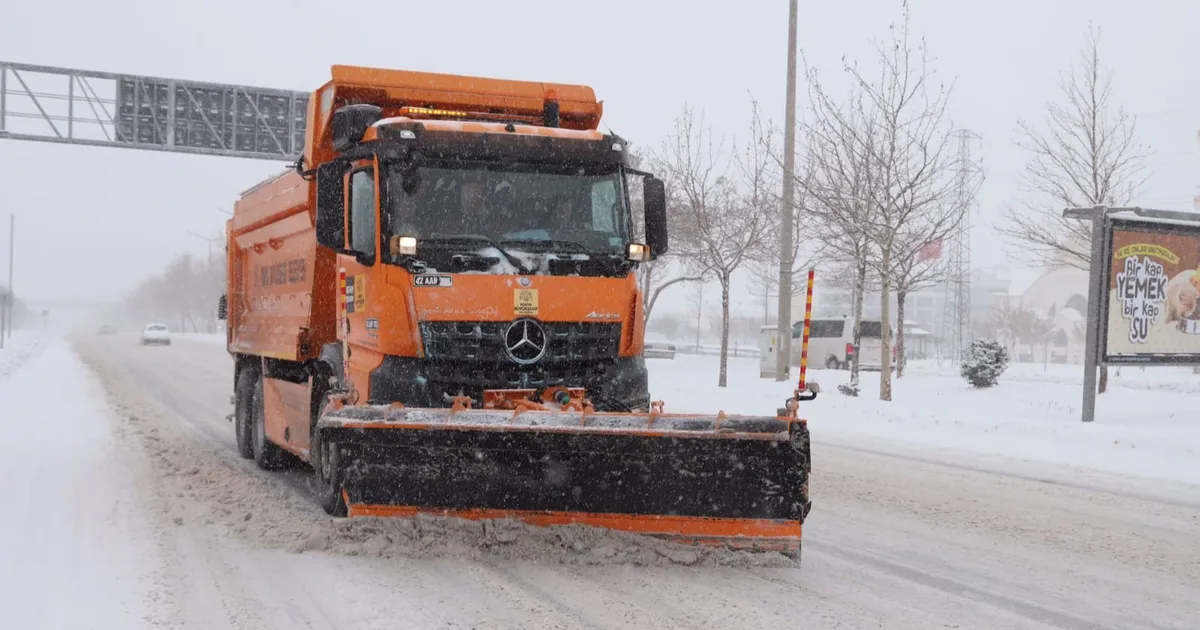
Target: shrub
x: 984, y: 362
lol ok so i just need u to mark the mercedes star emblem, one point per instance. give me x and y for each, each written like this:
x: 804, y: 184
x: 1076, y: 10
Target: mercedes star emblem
x: 525, y: 341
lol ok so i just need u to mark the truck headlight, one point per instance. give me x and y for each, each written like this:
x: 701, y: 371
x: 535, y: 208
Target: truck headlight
x: 639, y: 252
x: 404, y: 246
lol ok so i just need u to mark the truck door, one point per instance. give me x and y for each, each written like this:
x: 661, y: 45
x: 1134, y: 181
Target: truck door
x: 363, y: 239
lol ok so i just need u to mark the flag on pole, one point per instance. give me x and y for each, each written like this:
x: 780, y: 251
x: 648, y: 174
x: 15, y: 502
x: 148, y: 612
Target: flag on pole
x: 931, y: 251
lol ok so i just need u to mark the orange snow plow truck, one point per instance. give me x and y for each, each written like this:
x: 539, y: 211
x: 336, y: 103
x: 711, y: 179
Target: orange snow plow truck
x: 437, y: 310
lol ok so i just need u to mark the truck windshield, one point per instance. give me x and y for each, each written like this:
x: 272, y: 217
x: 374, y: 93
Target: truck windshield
x: 564, y: 209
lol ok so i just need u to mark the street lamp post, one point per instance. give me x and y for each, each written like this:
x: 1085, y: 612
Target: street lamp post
x: 210, y: 239
x: 787, y: 249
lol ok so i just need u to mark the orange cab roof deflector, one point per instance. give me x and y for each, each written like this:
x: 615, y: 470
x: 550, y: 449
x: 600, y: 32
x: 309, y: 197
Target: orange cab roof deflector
x: 578, y: 107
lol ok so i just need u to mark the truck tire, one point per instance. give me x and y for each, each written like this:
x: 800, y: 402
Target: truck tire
x: 832, y: 363
x: 325, y: 469
x: 243, y: 394
x: 267, y: 455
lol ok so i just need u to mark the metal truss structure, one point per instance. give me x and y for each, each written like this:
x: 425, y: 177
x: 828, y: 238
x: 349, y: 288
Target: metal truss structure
x: 956, y: 316
x: 69, y: 106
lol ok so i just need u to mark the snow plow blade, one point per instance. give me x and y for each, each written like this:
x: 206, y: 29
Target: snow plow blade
x: 738, y: 481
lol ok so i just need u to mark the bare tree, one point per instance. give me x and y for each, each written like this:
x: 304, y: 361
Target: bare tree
x: 837, y: 178
x: 805, y: 250
x: 656, y: 276
x: 918, y: 264
x: 1017, y: 324
x: 1041, y: 331
x: 1086, y: 156
x: 185, y: 293
x: 764, y: 281
x: 912, y: 162
x: 720, y: 220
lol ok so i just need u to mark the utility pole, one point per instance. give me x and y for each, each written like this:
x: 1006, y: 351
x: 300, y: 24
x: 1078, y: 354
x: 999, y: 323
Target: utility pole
x: 8, y: 302
x: 787, y: 250
x: 208, y: 261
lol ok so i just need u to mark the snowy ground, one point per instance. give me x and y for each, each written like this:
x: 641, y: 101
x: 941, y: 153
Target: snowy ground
x: 136, y: 511
x: 1145, y: 425
x: 77, y: 552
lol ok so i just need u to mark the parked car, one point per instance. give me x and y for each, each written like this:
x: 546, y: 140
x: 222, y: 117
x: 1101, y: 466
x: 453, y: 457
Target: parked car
x: 156, y: 334
x: 108, y: 330
x: 658, y: 347
x: 830, y: 343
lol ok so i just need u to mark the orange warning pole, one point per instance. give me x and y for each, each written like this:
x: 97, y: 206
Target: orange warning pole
x: 345, y: 317
x: 807, y: 325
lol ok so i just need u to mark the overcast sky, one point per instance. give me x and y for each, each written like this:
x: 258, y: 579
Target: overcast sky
x: 92, y: 222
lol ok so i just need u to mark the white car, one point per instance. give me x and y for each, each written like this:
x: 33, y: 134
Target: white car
x: 658, y: 346
x: 156, y: 334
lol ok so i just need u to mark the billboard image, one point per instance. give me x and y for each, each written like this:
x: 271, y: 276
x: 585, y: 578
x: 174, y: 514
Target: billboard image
x: 1153, y: 296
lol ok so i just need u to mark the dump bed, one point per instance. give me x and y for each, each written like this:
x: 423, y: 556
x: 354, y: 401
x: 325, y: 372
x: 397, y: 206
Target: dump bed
x: 274, y: 263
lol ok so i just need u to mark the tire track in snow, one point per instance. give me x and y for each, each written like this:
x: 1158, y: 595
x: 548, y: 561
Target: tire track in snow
x: 1098, y: 488
x: 891, y: 544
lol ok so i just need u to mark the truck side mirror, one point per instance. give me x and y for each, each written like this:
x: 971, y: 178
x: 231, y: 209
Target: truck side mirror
x: 351, y: 122
x: 655, y: 195
x: 331, y: 206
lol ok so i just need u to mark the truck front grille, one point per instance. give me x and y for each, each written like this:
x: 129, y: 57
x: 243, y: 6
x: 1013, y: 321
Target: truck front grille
x: 469, y: 357
x: 482, y: 343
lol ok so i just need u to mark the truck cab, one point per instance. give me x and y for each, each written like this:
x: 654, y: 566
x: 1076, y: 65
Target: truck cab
x: 480, y: 247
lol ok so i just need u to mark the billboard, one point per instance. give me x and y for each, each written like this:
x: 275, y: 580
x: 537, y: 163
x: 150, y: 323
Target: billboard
x: 1152, y: 301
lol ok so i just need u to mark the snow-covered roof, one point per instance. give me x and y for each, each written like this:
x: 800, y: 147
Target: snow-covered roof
x: 918, y: 332
x: 1022, y: 280
x: 1071, y: 314
x: 1133, y: 216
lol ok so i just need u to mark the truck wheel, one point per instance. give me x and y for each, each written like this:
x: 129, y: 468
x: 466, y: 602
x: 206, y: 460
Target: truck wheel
x: 242, y: 423
x: 267, y: 455
x: 325, y: 469
x: 831, y: 363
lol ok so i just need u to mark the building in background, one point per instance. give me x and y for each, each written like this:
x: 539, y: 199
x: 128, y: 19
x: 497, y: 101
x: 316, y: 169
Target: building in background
x: 1058, y: 294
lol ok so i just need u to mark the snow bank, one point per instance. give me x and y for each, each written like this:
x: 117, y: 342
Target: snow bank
x: 19, y: 350
x: 1145, y: 425
x: 74, y: 550
x: 210, y: 338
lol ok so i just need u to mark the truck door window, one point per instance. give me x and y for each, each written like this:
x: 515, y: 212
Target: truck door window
x: 362, y: 212
x: 604, y: 198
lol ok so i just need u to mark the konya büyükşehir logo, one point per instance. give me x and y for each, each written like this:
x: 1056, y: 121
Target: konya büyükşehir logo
x: 1142, y: 289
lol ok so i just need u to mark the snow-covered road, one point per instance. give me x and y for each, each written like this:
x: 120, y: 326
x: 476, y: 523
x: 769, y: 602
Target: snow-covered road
x: 140, y: 511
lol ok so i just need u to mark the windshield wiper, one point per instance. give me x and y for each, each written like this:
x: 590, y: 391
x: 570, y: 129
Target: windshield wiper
x: 579, y: 247
x: 479, y: 238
